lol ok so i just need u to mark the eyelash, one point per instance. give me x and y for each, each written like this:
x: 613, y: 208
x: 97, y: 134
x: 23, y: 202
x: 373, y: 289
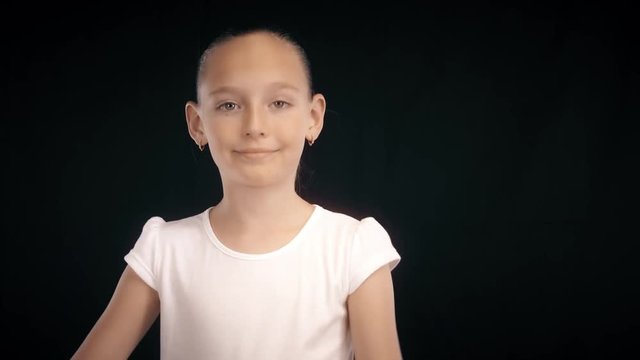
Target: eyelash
x: 285, y: 104
x: 222, y: 106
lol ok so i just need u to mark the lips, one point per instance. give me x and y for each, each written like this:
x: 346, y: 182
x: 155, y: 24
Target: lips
x: 255, y: 153
x: 255, y: 150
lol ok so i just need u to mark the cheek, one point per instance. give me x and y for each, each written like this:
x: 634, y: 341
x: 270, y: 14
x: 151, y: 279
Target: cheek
x: 294, y: 134
x: 218, y: 136
x: 297, y: 141
x: 223, y: 129
x: 296, y: 127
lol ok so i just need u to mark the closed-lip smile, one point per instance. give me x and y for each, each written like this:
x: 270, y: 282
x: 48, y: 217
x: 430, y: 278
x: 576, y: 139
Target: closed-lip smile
x: 256, y: 153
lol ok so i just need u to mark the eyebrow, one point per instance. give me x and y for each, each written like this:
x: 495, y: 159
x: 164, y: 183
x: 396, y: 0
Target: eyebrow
x: 273, y: 86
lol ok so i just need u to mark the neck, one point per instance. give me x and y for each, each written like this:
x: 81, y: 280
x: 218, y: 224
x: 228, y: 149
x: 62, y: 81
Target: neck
x: 259, y: 208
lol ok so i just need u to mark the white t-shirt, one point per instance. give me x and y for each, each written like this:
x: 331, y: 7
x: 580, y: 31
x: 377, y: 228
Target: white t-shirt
x: 217, y: 303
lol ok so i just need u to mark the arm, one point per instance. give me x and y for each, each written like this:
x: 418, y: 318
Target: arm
x: 372, y: 318
x: 127, y: 318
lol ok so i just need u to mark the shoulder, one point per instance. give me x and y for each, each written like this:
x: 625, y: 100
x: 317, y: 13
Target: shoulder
x: 160, y: 238
x: 349, y: 226
x: 336, y: 221
x: 167, y: 228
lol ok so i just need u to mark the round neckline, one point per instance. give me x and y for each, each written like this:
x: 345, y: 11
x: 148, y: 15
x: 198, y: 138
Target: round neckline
x: 208, y: 227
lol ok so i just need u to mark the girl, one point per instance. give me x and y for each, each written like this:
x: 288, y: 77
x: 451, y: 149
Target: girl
x: 263, y: 274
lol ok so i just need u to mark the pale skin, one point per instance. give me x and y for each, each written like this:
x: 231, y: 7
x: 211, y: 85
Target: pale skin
x: 255, y: 112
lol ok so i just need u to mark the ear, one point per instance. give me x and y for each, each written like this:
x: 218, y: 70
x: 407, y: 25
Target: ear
x: 194, y: 123
x: 318, y: 107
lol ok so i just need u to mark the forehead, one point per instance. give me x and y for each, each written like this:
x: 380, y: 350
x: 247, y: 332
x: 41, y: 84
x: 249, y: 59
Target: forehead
x: 253, y: 60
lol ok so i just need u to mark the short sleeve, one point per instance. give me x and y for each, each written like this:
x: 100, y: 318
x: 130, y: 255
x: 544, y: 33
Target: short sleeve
x: 371, y: 249
x: 143, y: 257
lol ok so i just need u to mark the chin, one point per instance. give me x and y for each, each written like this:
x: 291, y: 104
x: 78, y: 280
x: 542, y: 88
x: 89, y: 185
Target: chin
x: 269, y: 181
x: 257, y: 178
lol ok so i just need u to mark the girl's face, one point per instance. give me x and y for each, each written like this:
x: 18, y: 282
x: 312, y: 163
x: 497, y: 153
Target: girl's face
x: 255, y: 111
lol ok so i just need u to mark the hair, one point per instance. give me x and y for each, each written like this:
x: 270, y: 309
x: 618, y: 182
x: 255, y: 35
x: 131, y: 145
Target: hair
x: 231, y: 34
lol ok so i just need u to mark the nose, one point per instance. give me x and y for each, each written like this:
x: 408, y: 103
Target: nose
x: 254, y: 122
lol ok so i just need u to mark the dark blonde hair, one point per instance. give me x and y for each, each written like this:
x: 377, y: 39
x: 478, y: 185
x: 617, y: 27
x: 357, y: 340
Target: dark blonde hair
x: 232, y: 34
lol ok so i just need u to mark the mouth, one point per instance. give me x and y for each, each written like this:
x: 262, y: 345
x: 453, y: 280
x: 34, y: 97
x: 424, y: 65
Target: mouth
x: 255, y: 153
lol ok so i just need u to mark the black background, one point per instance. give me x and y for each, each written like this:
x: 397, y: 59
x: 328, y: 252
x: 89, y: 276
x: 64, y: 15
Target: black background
x: 496, y: 143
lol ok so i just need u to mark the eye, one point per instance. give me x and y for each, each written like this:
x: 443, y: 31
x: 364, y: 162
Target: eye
x: 279, y: 104
x: 227, y: 106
